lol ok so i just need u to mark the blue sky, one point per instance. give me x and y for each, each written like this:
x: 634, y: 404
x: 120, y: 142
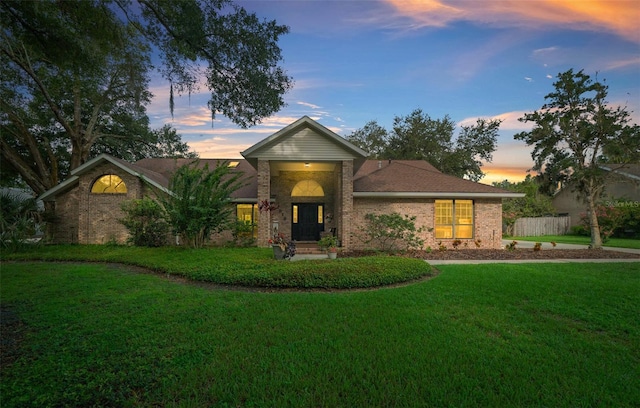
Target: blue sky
x: 357, y: 61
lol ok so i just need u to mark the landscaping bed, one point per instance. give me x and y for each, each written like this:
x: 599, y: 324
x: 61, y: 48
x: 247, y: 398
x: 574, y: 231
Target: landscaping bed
x: 515, y: 254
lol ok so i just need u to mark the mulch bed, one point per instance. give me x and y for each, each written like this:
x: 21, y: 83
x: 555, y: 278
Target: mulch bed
x: 516, y: 254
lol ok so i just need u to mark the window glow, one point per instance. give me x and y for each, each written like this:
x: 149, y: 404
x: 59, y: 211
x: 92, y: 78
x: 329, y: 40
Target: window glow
x: 454, y: 219
x: 109, y: 184
x: 307, y: 188
x: 248, y: 214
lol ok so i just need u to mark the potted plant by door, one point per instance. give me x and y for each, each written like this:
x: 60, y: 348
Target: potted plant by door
x: 282, y: 247
x: 329, y: 243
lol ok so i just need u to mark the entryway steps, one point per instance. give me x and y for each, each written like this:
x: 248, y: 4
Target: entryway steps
x: 308, y: 248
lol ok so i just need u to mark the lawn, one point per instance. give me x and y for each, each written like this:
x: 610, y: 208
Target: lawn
x: 561, y: 335
x: 581, y: 240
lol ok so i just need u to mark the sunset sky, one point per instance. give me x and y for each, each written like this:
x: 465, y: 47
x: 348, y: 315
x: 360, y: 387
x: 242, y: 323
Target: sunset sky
x: 357, y: 61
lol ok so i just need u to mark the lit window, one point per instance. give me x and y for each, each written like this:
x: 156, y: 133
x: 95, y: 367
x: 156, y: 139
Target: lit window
x: 307, y: 188
x: 454, y: 219
x: 294, y: 215
x: 248, y: 214
x: 109, y: 184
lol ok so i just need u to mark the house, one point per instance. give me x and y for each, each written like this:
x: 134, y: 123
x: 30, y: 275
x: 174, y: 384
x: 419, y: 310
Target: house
x: 318, y: 182
x: 624, y: 185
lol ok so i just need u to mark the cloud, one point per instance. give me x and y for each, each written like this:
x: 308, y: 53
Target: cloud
x: 549, y: 76
x: 528, y: 79
x: 618, y: 16
x: 626, y: 63
x: 309, y: 105
x: 509, y: 121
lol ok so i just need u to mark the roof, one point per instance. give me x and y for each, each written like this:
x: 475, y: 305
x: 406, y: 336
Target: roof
x: 375, y: 178
x: 155, y: 179
x: 630, y: 170
x: 166, y: 167
x: 417, y: 178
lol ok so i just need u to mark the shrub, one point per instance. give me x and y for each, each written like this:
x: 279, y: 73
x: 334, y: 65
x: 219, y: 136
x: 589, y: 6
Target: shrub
x: 392, y: 232
x: 580, y: 230
x: 19, y: 217
x: 537, y: 246
x: 145, y: 222
x: 511, y: 246
x: 243, y: 233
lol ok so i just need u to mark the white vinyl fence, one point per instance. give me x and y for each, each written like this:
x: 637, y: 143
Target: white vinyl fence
x: 538, y: 226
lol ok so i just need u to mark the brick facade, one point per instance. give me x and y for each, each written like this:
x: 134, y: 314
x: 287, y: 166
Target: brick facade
x: 264, y: 193
x: 86, y: 218
x: 487, y: 220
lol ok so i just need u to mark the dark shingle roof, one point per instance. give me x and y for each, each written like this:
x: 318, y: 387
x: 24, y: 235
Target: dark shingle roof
x: 413, y: 176
x: 166, y: 167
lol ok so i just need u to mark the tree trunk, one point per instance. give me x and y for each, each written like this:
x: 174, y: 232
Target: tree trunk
x: 596, y: 239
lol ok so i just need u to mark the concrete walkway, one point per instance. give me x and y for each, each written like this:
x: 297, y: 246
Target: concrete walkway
x: 545, y: 246
x: 521, y: 244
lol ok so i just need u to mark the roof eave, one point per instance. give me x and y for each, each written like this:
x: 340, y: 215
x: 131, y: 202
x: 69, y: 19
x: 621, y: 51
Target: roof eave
x: 409, y: 194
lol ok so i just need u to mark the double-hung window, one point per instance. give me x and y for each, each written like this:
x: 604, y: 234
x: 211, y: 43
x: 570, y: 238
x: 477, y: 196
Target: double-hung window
x: 454, y: 219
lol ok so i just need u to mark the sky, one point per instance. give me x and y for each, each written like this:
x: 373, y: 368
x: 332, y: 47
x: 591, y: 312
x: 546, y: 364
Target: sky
x: 354, y: 61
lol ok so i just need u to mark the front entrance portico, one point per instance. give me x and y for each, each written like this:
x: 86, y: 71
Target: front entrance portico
x: 307, y: 171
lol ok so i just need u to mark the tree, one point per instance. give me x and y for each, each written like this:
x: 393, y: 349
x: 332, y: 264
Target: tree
x: 577, y: 132
x: 75, y: 74
x: 419, y: 137
x: 372, y: 138
x: 533, y: 204
x: 163, y: 142
x: 199, y: 201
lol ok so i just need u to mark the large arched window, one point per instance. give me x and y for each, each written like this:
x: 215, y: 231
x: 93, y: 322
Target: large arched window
x: 109, y: 184
x: 307, y: 188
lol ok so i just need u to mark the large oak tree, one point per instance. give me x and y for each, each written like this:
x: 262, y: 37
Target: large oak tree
x: 575, y: 132
x: 75, y: 74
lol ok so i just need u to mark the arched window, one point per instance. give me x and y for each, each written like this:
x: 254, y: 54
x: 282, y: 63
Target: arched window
x: 307, y: 188
x: 109, y: 184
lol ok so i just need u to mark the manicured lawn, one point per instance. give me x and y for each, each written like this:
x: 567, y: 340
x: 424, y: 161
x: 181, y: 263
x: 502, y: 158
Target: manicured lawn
x: 241, y: 266
x: 561, y: 335
x: 576, y: 239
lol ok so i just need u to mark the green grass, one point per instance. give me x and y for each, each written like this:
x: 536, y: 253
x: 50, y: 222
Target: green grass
x: 581, y: 240
x: 535, y: 335
x: 242, y: 266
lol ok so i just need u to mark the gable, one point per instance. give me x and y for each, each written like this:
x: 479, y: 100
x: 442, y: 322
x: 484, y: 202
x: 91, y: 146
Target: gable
x: 304, y: 140
x: 305, y: 144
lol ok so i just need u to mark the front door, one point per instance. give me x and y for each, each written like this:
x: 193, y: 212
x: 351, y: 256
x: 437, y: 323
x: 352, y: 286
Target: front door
x: 306, y: 222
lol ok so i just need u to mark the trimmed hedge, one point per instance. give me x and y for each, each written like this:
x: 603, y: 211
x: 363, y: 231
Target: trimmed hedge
x: 251, y: 267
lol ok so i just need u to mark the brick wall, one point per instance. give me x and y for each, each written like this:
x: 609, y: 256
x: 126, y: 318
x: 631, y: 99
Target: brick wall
x: 64, y: 227
x: 487, y: 219
x: 264, y: 193
x: 86, y: 218
x: 99, y: 213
